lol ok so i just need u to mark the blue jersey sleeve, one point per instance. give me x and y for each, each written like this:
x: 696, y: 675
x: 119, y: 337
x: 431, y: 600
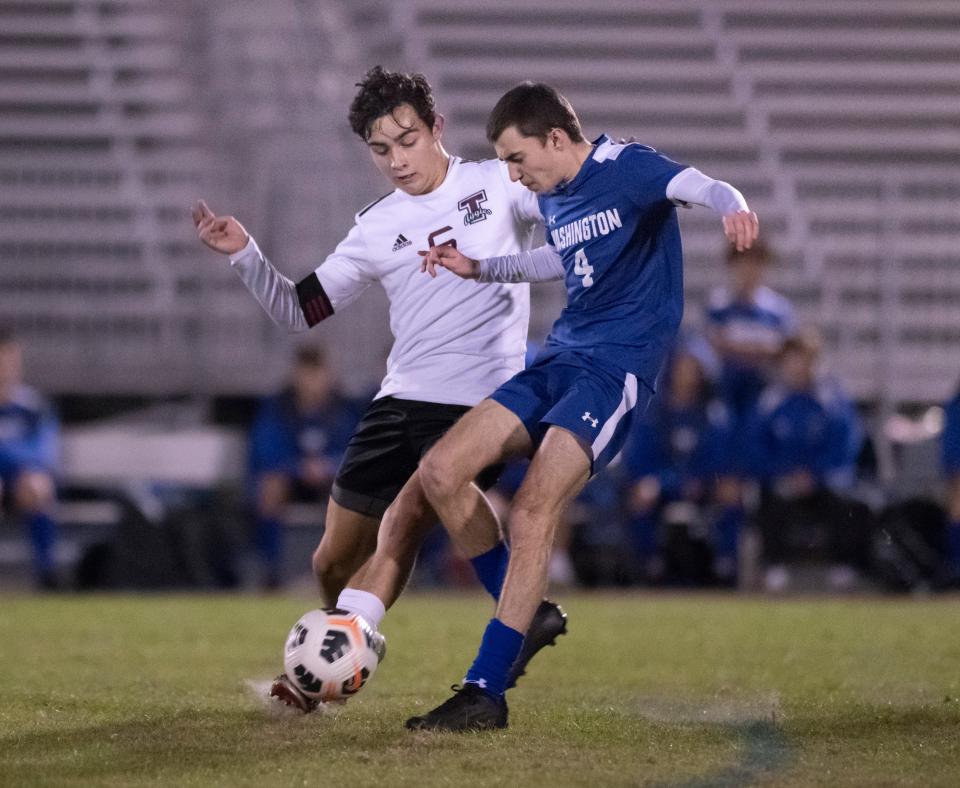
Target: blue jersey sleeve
x: 758, y: 448
x: 649, y: 173
x: 844, y: 441
x: 950, y: 440
x: 38, y: 448
x: 719, y: 439
x: 273, y: 440
x: 642, y: 455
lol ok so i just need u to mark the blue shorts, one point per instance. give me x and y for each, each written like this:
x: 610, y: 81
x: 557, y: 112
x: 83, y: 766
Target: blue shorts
x: 596, y: 402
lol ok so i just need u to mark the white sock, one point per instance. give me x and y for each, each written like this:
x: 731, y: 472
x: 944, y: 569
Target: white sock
x: 363, y: 603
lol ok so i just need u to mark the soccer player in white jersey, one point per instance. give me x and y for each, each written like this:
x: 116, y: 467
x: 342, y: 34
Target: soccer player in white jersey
x: 454, y: 344
x: 614, y: 237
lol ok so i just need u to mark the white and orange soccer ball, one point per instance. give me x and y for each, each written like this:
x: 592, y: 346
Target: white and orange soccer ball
x: 331, y: 654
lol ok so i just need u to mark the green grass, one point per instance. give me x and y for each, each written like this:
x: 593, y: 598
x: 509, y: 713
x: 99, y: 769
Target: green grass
x: 645, y: 690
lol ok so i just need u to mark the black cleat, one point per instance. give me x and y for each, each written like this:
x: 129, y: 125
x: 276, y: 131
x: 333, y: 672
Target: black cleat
x: 470, y: 709
x: 288, y: 692
x: 549, y: 623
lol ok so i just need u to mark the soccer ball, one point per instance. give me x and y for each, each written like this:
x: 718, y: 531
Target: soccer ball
x: 331, y: 653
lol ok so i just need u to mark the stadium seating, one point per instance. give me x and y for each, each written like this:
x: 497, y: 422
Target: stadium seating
x: 838, y: 120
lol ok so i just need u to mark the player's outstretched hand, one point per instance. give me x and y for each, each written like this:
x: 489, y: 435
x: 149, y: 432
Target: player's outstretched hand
x: 221, y: 233
x: 447, y: 257
x: 741, y: 229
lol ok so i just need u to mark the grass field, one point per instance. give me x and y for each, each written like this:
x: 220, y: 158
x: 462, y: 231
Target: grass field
x: 645, y: 690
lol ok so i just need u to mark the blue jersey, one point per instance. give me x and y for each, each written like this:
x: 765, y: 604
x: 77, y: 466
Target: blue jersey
x: 950, y: 440
x: 29, y: 434
x: 679, y: 445
x: 282, y: 436
x: 766, y: 319
x: 817, y: 431
x: 619, y: 239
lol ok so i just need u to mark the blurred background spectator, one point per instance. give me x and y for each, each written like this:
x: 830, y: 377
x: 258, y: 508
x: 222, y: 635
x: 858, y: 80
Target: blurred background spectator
x: 803, y: 441
x: 681, y: 493
x: 951, y: 468
x: 747, y: 324
x: 29, y: 459
x: 296, y: 443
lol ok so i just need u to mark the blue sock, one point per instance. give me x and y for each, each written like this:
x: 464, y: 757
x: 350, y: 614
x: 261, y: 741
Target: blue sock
x: 268, y: 541
x: 43, y: 535
x: 498, y: 651
x: 491, y: 568
x: 727, y: 530
x: 953, y: 545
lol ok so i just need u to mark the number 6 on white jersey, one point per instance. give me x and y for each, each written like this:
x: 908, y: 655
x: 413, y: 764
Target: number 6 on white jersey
x: 582, y: 267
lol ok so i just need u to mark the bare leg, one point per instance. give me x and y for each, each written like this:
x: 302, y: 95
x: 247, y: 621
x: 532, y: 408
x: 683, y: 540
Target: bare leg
x: 403, y: 529
x: 33, y: 496
x: 558, y: 472
x: 349, y: 539
x: 486, y: 435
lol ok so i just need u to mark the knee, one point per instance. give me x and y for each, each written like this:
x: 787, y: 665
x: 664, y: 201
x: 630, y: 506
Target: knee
x: 326, y: 566
x: 436, y: 476
x: 728, y: 492
x: 273, y: 492
x: 33, y: 492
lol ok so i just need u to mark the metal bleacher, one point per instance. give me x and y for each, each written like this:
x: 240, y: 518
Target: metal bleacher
x: 839, y: 120
x: 115, y: 115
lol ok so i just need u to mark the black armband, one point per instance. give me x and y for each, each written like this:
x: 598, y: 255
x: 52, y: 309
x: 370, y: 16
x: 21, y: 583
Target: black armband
x: 313, y: 300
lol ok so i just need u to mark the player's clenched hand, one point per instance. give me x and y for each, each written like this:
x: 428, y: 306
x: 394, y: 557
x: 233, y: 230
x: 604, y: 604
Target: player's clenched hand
x: 741, y: 229
x: 221, y: 233
x: 447, y: 257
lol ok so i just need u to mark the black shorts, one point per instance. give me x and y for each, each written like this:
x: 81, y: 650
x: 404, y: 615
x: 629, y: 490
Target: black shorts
x: 386, y: 448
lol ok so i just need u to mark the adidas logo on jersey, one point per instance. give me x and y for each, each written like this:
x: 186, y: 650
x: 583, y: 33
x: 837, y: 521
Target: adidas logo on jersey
x: 400, y: 243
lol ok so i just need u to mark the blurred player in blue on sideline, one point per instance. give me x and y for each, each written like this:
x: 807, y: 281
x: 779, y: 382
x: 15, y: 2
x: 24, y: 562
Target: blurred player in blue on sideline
x: 951, y: 468
x: 296, y: 445
x: 680, y: 471
x: 29, y: 458
x: 613, y: 235
x: 804, y: 440
x: 747, y: 324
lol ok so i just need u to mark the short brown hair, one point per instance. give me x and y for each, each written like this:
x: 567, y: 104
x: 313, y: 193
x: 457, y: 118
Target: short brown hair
x: 382, y: 91
x: 806, y: 341
x: 758, y: 252
x: 534, y: 109
x: 311, y: 356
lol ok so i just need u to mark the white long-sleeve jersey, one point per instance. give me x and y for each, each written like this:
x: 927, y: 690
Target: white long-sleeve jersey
x: 454, y: 341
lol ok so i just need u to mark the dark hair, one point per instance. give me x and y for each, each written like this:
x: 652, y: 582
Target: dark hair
x: 382, y: 91
x: 534, y: 108
x: 807, y: 341
x: 7, y: 335
x: 311, y: 356
x: 759, y: 252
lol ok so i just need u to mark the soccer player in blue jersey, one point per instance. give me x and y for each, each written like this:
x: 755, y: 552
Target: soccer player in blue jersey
x: 614, y: 237
x: 297, y: 442
x: 677, y: 463
x: 950, y: 445
x: 747, y: 324
x: 29, y: 458
x: 804, y: 438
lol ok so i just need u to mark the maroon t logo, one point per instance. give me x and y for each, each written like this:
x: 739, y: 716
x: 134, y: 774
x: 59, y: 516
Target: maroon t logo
x: 472, y: 205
